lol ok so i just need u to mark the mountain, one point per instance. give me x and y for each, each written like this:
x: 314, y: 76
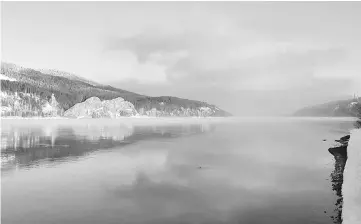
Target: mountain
x: 69, y: 90
x: 340, y: 108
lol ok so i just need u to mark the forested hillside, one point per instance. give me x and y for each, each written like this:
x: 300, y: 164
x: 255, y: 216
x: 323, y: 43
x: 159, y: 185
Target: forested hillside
x: 69, y: 91
x: 341, y: 108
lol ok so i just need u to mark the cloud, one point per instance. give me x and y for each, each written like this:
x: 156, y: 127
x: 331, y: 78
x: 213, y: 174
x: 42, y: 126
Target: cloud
x: 224, y: 66
x: 145, y: 45
x: 221, y: 58
x: 217, y: 52
x: 232, y: 60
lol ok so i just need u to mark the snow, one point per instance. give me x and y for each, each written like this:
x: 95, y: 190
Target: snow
x: 205, y: 108
x: 5, y: 109
x: 351, y: 188
x: 352, y: 104
x: 17, y: 118
x: 47, y: 108
x: 4, y: 77
x: 3, y: 94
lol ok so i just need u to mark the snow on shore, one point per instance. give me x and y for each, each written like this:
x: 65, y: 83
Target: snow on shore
x: 4, y: 77
x: 351, y: 188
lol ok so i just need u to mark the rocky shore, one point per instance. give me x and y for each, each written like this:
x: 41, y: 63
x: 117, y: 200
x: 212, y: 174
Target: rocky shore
x: 340, y: 154
x: 351, y: 188
x: 346, y: 178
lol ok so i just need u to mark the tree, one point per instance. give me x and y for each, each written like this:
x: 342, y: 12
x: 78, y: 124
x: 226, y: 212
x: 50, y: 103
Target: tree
x: 358, y: 122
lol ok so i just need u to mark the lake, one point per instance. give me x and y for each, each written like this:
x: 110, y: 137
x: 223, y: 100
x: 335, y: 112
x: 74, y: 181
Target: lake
x: 159, y: 171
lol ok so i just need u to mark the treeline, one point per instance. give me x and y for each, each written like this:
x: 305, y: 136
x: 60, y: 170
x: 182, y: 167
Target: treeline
x: 340, y: 108
x: 358, y: 122
x: 28, y: 104
x: 65, y: 100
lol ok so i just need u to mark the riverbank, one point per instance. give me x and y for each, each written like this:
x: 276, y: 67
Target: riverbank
x: 351, y: 189
x: 346, y: 178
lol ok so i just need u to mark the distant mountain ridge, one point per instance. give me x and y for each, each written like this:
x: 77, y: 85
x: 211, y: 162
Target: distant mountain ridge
x: 69, y: 90
x: 68, y: 75
x: 52, y: 72
x: 340, y: 108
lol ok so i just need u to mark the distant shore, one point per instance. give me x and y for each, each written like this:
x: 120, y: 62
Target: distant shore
x: 32, y: 118
x: 143, y: 120
x: 241, y: 118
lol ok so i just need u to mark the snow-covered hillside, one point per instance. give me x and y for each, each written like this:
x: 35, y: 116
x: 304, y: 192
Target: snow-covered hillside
x: 341, y: 108
x: 68, y: 75
x: 71, y: 89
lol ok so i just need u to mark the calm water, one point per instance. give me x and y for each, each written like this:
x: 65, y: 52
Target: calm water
x: 239, y: 171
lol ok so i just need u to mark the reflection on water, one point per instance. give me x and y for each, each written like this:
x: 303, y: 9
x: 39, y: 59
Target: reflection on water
x: 245, y: 172
x: 25, y: 146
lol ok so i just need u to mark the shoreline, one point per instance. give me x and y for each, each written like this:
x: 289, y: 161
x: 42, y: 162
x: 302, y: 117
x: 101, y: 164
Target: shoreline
x: 346, y: 178
x: 351, y: 188
x: 146, y: 120
x: 339, y: 153
x: 142, y: 120
x: 190, y: 117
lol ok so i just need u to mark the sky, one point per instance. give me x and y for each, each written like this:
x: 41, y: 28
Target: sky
x: 249, y: 58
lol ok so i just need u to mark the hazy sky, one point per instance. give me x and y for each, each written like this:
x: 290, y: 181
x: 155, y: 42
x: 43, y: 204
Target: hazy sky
x: 251, y: 58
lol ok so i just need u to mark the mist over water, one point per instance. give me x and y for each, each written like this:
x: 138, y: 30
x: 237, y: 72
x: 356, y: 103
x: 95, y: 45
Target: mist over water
x: 184, y: 171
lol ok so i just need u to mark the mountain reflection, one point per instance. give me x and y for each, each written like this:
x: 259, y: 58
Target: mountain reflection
x: 25, y: 146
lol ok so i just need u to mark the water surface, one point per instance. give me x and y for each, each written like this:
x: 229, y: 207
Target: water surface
x: 110, y: 171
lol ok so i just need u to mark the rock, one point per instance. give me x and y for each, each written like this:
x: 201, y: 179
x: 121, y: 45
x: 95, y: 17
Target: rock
x: 95, y: 108
x: 342, y: 148
x: 344, y: 139
x: 340, y: 156
x: 119, y: 107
